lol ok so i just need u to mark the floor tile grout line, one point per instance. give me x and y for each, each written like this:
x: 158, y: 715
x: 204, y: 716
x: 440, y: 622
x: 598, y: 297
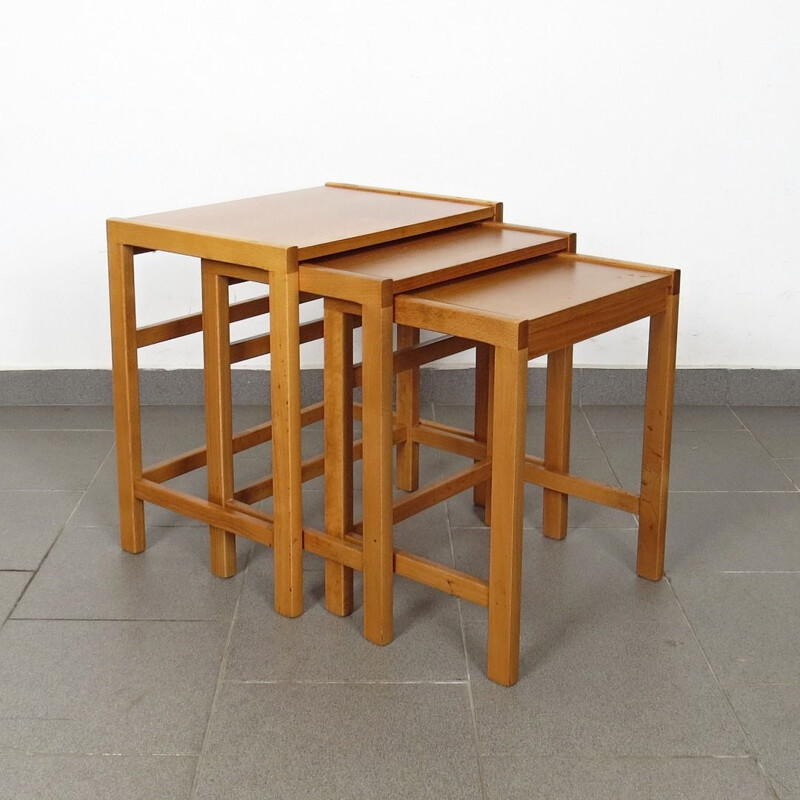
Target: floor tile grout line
x: 750, y: 749
x: 769, y: 455
x: 470, y: 697
x: 90, y: 754
x: 220, y: 681
x: 61, y: 530
x: 605, y: 455
x: 343, y: 682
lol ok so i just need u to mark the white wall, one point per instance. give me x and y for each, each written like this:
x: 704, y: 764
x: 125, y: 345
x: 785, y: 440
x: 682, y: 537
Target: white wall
x: 661, y: 132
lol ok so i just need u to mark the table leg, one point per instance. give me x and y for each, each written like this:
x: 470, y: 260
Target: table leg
x: 408, y: 414
x: 127, y: 414
x: 219, y: 422
x: 558, y: 417
x: 338, y: 398
x: 505, y: 548
x: 657, y: 441
x: 376, y: 390
x: 483, y: 357
x: 286, y: 450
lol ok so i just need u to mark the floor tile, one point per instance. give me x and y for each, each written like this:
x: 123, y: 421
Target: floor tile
x: 603, y: 689
x: 129, y: 688
x: 770, y: 715
x: 590, y: 577
x: 66, y: 418
x: 29, y: 524
x: 51, y: 459
x: 351, y: 742
x: 583, y: 443
x: 319, y: 646
x: 746, y: 623
x: 701, y: 461
x: 717, y: 531
x: 582, y: 513
x: 624, y: 779
x: 96, y: 777
x: 684, y: 418
x: 88, y: 576
x: 778, y: 429
x: 99, y: 505
x: 12, y: 585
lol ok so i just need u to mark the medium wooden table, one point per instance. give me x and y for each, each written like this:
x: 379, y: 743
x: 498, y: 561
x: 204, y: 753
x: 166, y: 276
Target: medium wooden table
x: 262, y: 239
x: 363, y: 285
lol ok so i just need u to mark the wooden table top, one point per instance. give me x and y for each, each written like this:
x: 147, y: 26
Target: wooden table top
x: 318, y: 221
x: 544, y: 287
x: 571, y: 297
x: 425, y: 260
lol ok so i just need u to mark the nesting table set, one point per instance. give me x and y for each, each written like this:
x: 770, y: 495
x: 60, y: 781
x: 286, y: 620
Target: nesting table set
x: 387, y: 260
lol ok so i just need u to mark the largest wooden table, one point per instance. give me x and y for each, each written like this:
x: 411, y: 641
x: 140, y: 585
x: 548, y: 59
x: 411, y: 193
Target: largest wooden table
x: 270, y: 234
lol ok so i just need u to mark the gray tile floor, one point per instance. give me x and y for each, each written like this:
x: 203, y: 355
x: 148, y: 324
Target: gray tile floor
x: 145, y: 677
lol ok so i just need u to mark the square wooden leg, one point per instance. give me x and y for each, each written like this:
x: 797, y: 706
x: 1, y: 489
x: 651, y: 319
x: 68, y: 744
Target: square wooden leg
x: 377, y: 361
x: 127, y: 415
x: 338, y: 378
x: 657, y: 441
x: 505, y: 549
x: 408, y: 414
x: 286, y: 452
x: 483, y: 367
x: 558, y: 418
x: 219, y: 422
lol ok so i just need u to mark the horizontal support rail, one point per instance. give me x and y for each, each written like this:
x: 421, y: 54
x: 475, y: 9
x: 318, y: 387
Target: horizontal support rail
x: 193, y: 323
x: 260, y: 345
x: 251, y: 437
x: 258, y: 530
x: 581, y: 487
x: 348, y: 551
x: 436, y: 492
x: 453, y: 441
x: 423, y: 353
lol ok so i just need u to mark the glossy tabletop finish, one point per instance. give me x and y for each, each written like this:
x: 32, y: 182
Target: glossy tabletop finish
x: 318, y: 221
x: 430, y: 259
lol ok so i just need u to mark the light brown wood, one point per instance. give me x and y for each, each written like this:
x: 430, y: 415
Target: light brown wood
x: 657, y: 441
x: 376, y: 332
x: 458, y: 443
x: 338, y: 453
x: 286, y: 447
x: 126, y: 394
x: 251, y: 437
x: 445, y: 579
x: 441, y: 490
x: 255, y: 346
x: 433, y: 258
x: 219, y: 418
x: 498, y: 214
x: 575, y: 486
x: 558, y: 418
x: 505, y: 549
x: 417, y: 355
x: 408, y: 414
x: 317, y: 221
x: 193, y: 323
x: 483, y: 356
x: 211, y: 513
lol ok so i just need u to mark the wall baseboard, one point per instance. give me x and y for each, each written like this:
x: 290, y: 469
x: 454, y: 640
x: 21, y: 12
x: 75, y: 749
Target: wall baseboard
x: 591, y: 386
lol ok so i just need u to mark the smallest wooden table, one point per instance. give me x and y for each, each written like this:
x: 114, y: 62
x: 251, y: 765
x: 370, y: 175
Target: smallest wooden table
x: 535, y: 307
